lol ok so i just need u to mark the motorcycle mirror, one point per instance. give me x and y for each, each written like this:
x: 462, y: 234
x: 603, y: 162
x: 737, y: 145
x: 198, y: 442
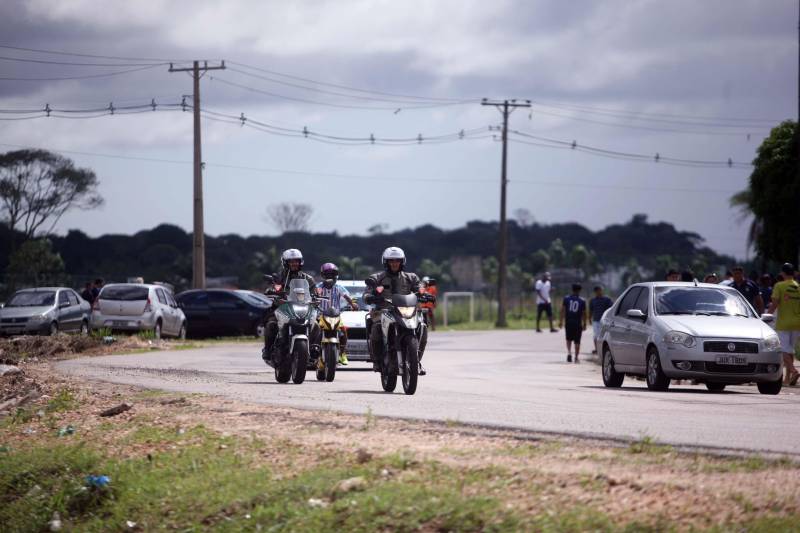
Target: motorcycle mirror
x: 268, y: 278
x: 371, y: 283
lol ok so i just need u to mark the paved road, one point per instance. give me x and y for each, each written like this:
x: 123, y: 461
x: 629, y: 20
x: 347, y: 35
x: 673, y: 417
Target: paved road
x: 513, y: 378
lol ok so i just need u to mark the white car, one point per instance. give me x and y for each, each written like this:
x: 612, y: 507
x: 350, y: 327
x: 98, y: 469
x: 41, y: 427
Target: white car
x: 138, y: 307
x: 355, y: 321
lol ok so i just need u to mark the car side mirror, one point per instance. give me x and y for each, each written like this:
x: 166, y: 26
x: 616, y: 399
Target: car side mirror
x: 768, y: 317
x: 636, y: 313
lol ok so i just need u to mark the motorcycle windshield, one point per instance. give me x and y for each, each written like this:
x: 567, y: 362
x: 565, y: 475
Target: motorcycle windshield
x: 404, y: 300
x: 299, y: 292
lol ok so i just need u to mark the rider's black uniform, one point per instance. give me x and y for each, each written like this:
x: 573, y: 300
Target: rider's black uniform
x: 392, y: 283
x: 271, y: 323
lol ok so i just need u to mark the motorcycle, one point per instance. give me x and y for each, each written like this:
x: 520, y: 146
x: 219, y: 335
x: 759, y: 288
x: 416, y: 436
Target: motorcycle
x: 330, y: 322
x: 295, y: 316
x: 402, y: 328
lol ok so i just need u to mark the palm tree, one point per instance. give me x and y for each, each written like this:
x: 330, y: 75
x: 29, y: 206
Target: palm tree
x: 743, y: 202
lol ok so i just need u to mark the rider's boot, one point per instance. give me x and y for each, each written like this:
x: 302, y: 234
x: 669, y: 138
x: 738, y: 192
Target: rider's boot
x: 422, y: 370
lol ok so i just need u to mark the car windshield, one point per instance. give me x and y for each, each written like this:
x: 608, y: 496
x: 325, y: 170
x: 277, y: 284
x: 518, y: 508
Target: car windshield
x: 32, y: 299
x: 127, y: 293
x: 700, y: 301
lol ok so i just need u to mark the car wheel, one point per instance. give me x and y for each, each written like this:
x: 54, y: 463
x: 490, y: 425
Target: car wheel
x: 84, y: 328
x: 260, y: 330
x: 715, y: 387
x: 656, y: 379
x: 182, y: 332
x: 611, y: 378
x: 157, y: 330
x: 770, y: 387
x: 53, y: 329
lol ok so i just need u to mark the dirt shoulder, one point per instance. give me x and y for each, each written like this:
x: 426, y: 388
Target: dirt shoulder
x: 482, y: 478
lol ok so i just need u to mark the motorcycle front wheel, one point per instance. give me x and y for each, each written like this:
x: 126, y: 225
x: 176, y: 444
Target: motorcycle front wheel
x: 283, y: 371
x: 389, y: 374
x: 331, y: 354
x: 410, y: 364
x: 299, y: 361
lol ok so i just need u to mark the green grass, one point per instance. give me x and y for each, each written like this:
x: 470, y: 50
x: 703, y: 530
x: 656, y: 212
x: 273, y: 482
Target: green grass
x: 648, y: 445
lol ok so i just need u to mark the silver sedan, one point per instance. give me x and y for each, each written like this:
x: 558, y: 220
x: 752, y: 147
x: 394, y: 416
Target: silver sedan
x: 699, y: 331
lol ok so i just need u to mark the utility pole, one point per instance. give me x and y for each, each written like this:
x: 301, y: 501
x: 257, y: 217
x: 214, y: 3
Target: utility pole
x: 506, y: 107
x: 199, y: 246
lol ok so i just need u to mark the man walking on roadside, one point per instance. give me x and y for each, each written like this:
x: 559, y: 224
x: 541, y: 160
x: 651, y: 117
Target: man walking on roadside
x: 786, y: 301
x: 597, y: 306
x: 573, y: 318
x: 748, y: 288
x: 543, y: 302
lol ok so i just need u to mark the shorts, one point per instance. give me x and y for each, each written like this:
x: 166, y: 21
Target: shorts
x: 573, y: 332
x: 596, y: 327
x: 544, y: 308
x: 789, y: 340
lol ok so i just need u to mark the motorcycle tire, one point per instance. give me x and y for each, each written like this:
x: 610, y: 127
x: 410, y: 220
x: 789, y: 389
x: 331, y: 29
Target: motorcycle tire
x: 283, y: 371
x: 299, y: 361
x: 389, y: 376
x: 410, y: 365
x: 330, y: 354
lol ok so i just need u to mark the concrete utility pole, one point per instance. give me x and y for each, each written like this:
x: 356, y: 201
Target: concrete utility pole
x: 199, y: 247
x: 506, y: 107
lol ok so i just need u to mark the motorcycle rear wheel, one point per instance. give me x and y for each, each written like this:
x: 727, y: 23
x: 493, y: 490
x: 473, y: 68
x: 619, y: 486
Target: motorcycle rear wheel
x: 410, y: 364
x: 299, y: 361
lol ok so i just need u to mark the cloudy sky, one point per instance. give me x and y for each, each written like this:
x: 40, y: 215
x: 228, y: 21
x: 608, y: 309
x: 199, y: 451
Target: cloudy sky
x: 684, y: 79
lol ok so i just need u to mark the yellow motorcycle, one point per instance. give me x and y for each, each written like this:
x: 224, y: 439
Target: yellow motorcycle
x: 330, y: 322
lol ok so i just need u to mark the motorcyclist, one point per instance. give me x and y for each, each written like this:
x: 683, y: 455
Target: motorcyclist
x: 392, y: 280
x: 292, y: 262
x: 331, y: 294
x: 429, y: 287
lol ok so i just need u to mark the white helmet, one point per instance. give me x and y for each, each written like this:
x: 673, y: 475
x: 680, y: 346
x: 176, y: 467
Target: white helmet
x: 393, y: 252
x: 288, y: 255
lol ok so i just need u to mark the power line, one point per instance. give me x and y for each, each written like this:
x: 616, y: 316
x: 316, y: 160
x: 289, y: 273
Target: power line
x: 95, y: 56
x: 105, y: 75
x: 77, y: 64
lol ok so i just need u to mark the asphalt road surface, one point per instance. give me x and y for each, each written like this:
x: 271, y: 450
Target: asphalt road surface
x: 516, y: 379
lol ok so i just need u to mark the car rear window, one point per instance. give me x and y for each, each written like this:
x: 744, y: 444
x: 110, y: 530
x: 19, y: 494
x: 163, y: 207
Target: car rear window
x: 125, y: 293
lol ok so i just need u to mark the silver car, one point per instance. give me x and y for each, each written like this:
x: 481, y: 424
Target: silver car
x: 699, y: 331
x: 356, y: 321
x: 45, y: 311
x: 138, y: 307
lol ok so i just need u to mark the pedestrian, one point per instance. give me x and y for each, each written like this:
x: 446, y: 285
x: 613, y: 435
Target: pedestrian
x: 786, y: 301
x: 543, y: 302
x: 98, y: 285
x: 711, y: 278
x: 748, y: 289
x: 728, y: 281
x: 597, y: 306
x: 687, y: 275
x: 87, y: 292
x: 573, y: 318
x: 673, y: 275
x: 765, y: 284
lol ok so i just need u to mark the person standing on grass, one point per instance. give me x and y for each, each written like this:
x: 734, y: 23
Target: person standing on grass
x: 573, y: 317
x: 786, y: 301
x: 597, y: 306
x: 543, y: 302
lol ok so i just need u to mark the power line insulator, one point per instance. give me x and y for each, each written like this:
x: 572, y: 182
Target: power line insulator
x: 183, y: 103
x: 574, y: 144
x: 461, y: 134
x: 657, y: 157
x: 419, y: 139
x: 47, y: 109
x: 242, y: 119
x: 111, y: 107
x: 153, y: 104
x: 372, y: 138
x: 305, y: 132
x: 730, y: 162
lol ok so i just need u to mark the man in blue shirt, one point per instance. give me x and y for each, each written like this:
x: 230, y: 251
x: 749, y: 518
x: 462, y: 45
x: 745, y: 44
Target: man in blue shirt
x: 597, y: 306
x: 573, y: 315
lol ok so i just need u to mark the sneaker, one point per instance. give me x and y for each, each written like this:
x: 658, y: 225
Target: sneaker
x: 538, y: 331
x: 422, y: 371
x: 576, y: 360
x: 793, y: 379
x: 343, y: 359
x: 569, y: 358
x: 594, y: 352
x: 553, y: 330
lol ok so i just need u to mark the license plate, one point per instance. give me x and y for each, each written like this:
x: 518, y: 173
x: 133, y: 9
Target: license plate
x: 731, y: 360
x: 12, y: 331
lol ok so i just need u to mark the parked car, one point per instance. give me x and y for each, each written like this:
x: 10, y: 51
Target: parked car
x: 138, y: 307
x: 221, y: 312
x: 699, y: 331
x: 45, y: 311
x: 355, y: 321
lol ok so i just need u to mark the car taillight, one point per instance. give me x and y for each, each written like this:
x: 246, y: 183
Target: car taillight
x: 148, y: 307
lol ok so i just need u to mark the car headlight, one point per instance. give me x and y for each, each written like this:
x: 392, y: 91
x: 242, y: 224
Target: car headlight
x: 772, y: 343
x: 407, y: 312
x: 39, y: 318
x: 679, y: 337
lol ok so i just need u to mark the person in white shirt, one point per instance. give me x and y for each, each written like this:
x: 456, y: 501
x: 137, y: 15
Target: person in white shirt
x: 543, y: 301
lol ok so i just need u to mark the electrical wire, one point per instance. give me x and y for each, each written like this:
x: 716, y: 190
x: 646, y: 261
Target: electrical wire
x: 104, y: 75
x: 76, y: 64
x: 74, y: 54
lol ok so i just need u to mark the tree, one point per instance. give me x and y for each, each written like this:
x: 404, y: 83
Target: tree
x: 289, y: 217
x: 579, y: 256
x: 440, y: 272
x: 34, y: 263
x: 378, y: 229
x: 37, y: 187
x: 558, y: 255
x: 539, y: 261
x: 773, y: 195
x: 524, y: 217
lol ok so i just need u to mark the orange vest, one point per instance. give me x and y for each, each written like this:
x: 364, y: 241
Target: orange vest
x: 429, y: 290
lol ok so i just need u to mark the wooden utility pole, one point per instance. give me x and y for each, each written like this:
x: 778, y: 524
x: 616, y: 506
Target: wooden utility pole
x: 506, y: 107
x: 199, y: 247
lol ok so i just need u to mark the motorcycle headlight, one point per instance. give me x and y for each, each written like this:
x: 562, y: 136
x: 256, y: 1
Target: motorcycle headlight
x: 407, y: 312
x: 772, y: 343
x: 679, y: 337
x: 301, y: 311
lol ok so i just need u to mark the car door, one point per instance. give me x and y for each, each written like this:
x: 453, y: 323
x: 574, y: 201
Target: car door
x: 179, y: 318
x: 167, y: 312
x: 639, y: 332
x: 198, y: 313
x: 76, y: 310
x: 228, y: 313
x: 619, y: 336
x: 66, y: 316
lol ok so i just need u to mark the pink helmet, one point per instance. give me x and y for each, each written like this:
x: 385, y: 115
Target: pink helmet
x: 329, y: 270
